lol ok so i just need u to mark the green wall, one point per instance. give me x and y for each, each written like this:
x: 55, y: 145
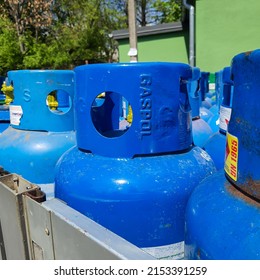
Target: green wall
x: 162, y: 47
x: 223, y: 29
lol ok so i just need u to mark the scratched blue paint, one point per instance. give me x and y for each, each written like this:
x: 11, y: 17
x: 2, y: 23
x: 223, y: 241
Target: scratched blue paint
x: 223, y: 212
x: 220, y: 224
x: 36, y: 137
x: 134, y: 183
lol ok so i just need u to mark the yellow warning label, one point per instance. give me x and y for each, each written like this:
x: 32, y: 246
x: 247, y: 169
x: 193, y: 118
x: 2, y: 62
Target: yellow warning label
x: 231, y: 156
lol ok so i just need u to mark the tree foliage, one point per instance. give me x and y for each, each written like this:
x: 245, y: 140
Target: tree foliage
x: 167, y: 11
x: 9, y: 48
x: 57, y: 34
x: 150, y: 12
x: 27, y: 15
x: 61, y: 34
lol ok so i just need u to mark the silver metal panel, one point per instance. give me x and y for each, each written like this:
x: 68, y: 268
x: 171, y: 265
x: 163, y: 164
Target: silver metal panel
x: 2, y: 247
x: 11, y: 217
x: 77, y: 237
x: 39, y: 230
x: 32, y: 229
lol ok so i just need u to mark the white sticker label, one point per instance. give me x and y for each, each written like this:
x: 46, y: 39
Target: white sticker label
x: 224, y: 117
x: 16, y: 113
x: 211, y: 86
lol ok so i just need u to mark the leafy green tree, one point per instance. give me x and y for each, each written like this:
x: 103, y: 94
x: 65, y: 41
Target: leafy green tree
x: 22, y: 25
x: 61, y: 34
x: 10, y: 57
x: 144, y: 11
x: 167, y: 11
x: 150, y: 12
x: 27, y: 15
x: 82, y: 30
x: 57, y: 34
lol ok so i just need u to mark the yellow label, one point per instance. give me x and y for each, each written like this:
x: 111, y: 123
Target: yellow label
x: 231, y: 156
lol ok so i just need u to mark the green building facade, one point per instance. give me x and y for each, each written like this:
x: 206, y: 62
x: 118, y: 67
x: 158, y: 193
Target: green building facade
x: 222, y: 29
x: 225, y: 28
x: 163, y: 42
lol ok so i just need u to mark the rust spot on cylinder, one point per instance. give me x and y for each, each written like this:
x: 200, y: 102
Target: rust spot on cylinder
x: 248, y: 53
x: 252, y: 187
x: 241, y: 194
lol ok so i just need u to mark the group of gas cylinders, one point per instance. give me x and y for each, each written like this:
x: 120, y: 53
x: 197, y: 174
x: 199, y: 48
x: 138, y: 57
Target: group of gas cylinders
x: 156, y: 152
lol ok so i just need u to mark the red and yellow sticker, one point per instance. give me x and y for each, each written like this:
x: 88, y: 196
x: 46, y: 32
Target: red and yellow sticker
x: 231, y: 156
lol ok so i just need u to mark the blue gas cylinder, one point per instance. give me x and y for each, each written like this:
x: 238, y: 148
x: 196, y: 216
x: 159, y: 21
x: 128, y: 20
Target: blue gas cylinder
x: 201, y: 131
x: 38, y: 133
x: 205, y: 113
x: 223, y: 212
x: 134, y: 181
x: 211, y: 94
x: 216, y: 145
x: 204, y: 89
x: 207, y: 88
x: 213, y: 121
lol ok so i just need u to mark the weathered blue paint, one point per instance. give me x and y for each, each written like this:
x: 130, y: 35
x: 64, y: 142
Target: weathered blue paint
x: 221, y: 222
x: 134, y: 183
x: 142, y: 199
x: 223, y: 212
x: 153, y: 116
x: 244, y: 123
x: 36, y: 137
x: 31, y: 88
